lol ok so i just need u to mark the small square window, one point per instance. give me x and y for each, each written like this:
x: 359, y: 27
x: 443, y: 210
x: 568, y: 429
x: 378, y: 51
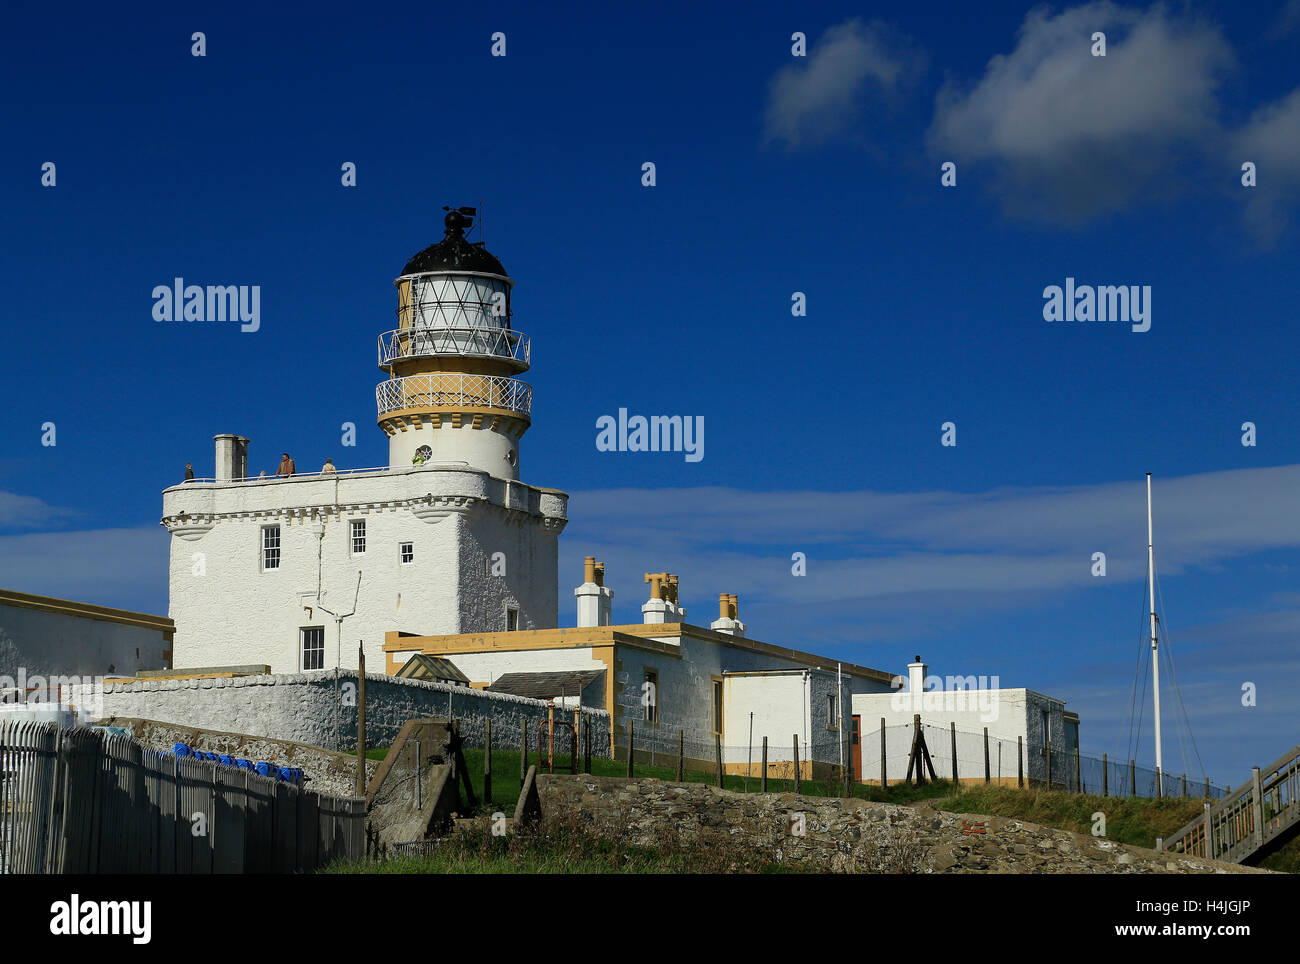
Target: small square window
x: 407, y: 550
x: 358, y: 536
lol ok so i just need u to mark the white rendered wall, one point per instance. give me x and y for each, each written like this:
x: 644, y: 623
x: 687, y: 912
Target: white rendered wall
x: 228, y: 610
x: 44, y: 643
x: 489, y: 667
x: 478, y: 448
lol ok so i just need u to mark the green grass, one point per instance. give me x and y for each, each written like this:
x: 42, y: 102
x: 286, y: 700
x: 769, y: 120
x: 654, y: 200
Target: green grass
x: 565, y: 847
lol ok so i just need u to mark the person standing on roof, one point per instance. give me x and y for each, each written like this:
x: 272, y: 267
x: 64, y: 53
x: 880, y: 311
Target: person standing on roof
x: 286, y: 466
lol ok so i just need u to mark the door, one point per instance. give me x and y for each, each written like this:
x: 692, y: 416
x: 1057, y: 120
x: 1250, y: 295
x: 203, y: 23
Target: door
x: 856, y: 748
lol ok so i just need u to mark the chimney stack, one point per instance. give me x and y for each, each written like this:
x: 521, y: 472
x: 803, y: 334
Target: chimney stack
x: 232, y: 457
x: 916, y: 675
x: 728, y: 620
x: 595, y: 602
x: 662, y: 605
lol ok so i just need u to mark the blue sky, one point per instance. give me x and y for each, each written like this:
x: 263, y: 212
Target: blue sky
x: 775, y: 174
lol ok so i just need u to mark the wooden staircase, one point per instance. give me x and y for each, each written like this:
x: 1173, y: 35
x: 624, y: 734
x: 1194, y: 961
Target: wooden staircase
x: 1250, y: 822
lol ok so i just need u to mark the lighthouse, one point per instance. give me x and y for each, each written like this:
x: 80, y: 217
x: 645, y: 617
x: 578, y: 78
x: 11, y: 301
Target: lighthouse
x: 451, y: 395
x: 444, y: 539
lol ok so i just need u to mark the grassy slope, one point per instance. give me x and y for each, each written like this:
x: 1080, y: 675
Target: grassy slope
x: 1136, y: 821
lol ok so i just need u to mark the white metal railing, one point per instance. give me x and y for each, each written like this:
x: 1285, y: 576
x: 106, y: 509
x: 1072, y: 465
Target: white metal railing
x: 471, y: 340
x: 325, y: 476
x: 476, y: 391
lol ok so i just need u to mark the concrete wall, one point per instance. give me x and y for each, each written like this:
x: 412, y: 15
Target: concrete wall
x: 309, y: 708
x: 455, y: 519
x: 51, y: 643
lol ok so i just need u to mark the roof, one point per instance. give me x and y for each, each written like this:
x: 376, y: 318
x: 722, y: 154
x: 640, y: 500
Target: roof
x: 66, y: 607
x: 545, y: 686
x: 421, y: 666
x: 453, y: 252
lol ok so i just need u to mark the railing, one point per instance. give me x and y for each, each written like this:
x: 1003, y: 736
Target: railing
x: 1248, y: 819
x: 83, y: 801
x: 468, y: 341
x: 454, y: 390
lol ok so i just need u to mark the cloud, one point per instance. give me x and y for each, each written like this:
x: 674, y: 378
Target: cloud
x: 1070, y: 136
x: 1271, y: 140
x: 824, y: 95
x: 910, y: 553
x: 25, y: 512
x: 1288, y: 18
x: 122, y: 568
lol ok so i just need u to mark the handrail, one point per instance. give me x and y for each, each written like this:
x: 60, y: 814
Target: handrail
x: 318, y: 476
x: 1232, y: 821
x: 454, y: 390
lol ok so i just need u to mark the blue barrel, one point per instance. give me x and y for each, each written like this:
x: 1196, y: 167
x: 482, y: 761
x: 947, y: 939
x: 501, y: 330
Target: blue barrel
x: 244, y: 764
x: 264, y: 769
x: 180, y: 749
x: 225, y: 760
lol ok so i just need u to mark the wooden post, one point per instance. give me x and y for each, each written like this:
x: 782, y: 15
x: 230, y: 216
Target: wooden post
x: 987, y: 776
x: 1160, y: 783
x: 1078, y: 779
x: 1020, y: 762
x: 550, y: 738
x: 361, y: 721
x: 1207, y: 788
x: 631, y: 750
x: 1257, y: 805
x: 523, y: 751
x: 884, y: 776
x: 952, y: 730
x: 573, y: 742
x: 1105, y: 777
x: 1132, y: 778
x: 1184, y: 786
x: 797, y: 781
x: 765, y: 764
x: 586, y: 744
x: 681, y: 755
x: 1209, y: 833
x: 717, y: 752
x: 487, y: 761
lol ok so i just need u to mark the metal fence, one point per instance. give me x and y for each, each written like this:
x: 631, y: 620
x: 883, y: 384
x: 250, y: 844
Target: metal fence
x: 885, y: 753
x: 86, y: 801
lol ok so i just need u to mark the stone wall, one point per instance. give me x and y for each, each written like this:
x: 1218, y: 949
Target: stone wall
x: 845, y: 836
x: 329, y: 772
x: 315, y: 710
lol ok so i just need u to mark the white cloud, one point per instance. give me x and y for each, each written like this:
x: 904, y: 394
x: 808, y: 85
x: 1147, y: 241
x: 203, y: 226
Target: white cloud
x: 823, y: 95
x: 1271, y: 139
x: 122, y: 568
x: 26, y: 511
x: 1071, y: 135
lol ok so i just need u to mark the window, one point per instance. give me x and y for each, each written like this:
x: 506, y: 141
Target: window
x: 313, y: 647
x: 358, y: 536
x: 832, y: 718
x: 407, y: 551
x: 270, y: 547
x: 650, y: 696
x: 717, y: 706
x: 1046, y: 730
x: 512, y: 618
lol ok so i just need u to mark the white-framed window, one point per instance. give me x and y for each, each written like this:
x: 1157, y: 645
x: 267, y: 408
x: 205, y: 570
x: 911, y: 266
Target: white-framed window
x: 312, y: 643
x: 358, y: 537
x: 270, y: 547
x: 406, y: 551
x: 512, y: 618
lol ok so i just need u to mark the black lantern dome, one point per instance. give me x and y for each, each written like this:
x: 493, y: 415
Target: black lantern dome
x: 453, y: 252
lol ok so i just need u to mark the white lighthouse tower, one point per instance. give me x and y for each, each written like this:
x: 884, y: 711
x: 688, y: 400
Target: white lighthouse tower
x: 450, y: 396
x: 294, y: 571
